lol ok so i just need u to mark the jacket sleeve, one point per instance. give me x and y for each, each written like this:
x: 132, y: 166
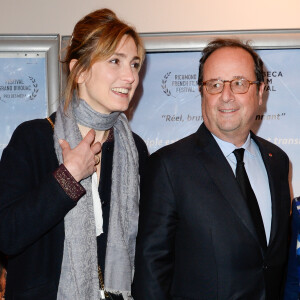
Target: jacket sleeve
x: 31, y: 199
x: 291, y: 291
x: 156, y: 235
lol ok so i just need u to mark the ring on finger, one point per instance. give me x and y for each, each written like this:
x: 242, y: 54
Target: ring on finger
x: 97, y: 159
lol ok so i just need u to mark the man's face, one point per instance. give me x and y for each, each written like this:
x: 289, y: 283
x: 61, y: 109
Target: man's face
x: 227, y: 115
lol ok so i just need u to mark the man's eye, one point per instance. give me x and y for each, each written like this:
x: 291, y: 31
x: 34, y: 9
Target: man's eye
x: 238, y: 82
x: 216, y: 84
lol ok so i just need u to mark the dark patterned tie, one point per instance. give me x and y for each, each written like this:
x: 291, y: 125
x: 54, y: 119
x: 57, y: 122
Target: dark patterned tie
x: 243, y: 180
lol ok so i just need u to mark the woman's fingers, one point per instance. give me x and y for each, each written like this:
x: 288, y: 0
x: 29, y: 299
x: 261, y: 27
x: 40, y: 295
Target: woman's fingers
x: 81, y: 160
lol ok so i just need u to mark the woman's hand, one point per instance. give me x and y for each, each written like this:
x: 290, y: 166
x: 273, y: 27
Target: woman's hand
x: 80, y: 161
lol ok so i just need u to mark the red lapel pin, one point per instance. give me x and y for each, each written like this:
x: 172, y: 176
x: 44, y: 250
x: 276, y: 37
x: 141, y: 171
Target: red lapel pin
x: 270, y: 154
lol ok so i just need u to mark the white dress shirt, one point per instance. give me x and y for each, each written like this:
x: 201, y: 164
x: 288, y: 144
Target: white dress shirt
x: 257, y: 175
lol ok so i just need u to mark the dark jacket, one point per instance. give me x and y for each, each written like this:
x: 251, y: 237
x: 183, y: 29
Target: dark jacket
x: 33, y: 206
x: 196, y: 237
x: 292, y: 288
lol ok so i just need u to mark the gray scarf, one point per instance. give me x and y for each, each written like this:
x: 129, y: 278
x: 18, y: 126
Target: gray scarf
x: 79, y: 275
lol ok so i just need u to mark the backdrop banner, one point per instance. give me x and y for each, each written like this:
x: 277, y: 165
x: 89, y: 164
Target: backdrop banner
x: 169, y: 106
x: 23, y: 91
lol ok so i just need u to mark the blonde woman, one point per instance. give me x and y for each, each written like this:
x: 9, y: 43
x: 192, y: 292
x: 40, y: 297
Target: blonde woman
x: 69, y: 185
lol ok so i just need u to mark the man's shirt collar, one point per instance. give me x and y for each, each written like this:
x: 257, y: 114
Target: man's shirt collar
x: 227, y: 148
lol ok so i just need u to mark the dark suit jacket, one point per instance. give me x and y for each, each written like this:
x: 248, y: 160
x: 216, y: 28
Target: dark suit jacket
x: 292, y: 288
x: 33, y: 206
x: 196, y: 239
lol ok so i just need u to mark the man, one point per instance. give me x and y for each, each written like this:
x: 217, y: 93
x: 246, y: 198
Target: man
x: 202, y: 235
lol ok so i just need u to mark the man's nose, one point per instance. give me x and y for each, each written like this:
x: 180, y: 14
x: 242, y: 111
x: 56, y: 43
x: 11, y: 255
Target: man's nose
x: 227, y: 94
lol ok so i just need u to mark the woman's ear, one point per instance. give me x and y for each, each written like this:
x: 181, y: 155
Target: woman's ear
x: 80, y: 78
x: 72, y: 63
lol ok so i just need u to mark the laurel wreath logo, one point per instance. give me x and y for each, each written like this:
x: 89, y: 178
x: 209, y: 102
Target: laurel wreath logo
x: 164, y: 84
x: 35, y: 88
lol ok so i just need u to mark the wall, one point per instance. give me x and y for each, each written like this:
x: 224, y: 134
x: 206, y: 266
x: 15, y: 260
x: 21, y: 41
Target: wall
x: 60, y: 16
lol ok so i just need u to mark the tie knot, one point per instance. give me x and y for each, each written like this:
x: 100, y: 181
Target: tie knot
x: 239, y: 154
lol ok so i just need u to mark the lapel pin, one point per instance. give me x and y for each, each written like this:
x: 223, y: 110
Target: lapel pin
x: 270, y: 154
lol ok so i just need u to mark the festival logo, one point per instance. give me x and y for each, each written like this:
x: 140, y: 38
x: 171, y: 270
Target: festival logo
x: 175, y: 85
x: 270, y: 80
x: 21, y: 88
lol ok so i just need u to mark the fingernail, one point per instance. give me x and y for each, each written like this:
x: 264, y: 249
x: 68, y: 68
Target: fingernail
x: 60, y: 141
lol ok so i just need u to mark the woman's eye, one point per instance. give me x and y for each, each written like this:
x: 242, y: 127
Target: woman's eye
x: 136, y: 65
x: 115, y: 61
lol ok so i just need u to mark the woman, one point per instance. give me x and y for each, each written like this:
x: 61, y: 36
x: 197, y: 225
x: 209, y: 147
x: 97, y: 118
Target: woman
x: 292, y: 287
x: 69, y: 207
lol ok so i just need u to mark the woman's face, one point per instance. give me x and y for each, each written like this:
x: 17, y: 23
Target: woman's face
x: 110, y: 84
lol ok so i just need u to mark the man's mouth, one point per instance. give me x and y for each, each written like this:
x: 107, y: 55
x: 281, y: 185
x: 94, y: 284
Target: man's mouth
x: 228, y: 110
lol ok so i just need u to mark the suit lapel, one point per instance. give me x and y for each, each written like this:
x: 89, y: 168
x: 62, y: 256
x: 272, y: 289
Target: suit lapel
x: 274, y: 181
x: 221, y: 173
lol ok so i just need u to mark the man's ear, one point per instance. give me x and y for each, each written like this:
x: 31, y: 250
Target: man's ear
x: 80, y: 78
x: 260, y: 92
